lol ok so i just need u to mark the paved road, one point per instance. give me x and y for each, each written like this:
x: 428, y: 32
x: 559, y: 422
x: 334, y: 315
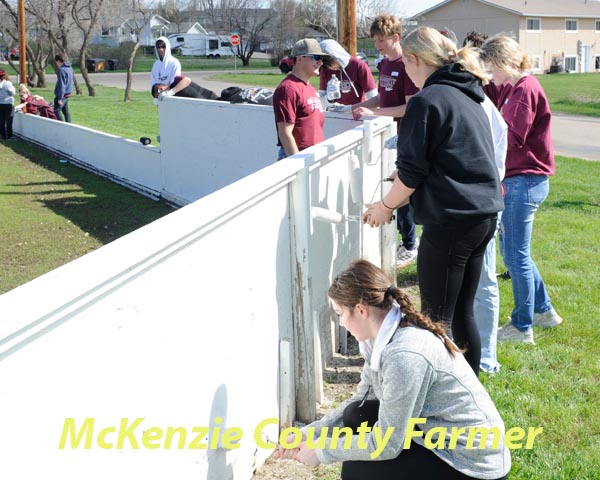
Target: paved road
x: 576, y: 136
x: 573, y: 136
x: 141, y: 80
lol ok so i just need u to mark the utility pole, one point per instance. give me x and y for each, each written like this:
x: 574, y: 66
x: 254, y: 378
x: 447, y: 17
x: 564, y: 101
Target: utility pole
x: 346, y: 24
x: 22, y: 44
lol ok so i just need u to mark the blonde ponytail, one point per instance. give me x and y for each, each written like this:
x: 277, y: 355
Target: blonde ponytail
x: 437, y: 50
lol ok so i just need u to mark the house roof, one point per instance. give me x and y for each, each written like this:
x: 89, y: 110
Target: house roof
x: 537, y: 8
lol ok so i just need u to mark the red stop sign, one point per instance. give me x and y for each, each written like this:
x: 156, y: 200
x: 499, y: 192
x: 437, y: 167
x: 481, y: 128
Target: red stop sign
x: 235, y: 39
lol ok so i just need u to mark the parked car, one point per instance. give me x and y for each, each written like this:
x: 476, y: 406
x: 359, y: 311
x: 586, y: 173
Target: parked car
x: 362, y: 56
x: 286, y: 64
x: 14, y: 54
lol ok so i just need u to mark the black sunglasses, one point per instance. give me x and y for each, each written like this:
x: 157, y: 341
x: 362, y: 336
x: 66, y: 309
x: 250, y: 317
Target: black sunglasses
x: 316, y: 58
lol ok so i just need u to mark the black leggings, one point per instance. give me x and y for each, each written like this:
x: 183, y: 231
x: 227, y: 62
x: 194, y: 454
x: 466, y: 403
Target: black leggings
x: 6, y: 120
x: 448, y: 267
x: 416, y: 462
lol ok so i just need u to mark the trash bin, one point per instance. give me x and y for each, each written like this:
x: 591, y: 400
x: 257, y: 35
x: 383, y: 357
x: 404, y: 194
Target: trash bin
x: 113, y: 63
x: 94, y: 64
x: 556, y: 69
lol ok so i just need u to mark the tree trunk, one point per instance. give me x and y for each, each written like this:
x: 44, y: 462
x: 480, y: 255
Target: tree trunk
x: 85, y: 74
x: 127, y: 97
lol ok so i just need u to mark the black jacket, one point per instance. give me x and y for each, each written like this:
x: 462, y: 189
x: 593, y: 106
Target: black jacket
x: 446, y: 152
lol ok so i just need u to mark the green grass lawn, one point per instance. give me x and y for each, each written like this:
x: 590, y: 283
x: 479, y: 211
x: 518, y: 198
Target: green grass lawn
x: 53, y: 212
x: 555, y: 384
x: 576, y: 93
x: 111, y: 114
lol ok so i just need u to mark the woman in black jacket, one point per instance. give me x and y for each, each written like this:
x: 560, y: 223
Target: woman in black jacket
x: 446, y: 168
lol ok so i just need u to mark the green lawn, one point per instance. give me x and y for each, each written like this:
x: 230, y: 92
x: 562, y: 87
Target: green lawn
x: 555, y: 384
x: 135, y: 119
x: 53, y: 212
x: 577, y: 93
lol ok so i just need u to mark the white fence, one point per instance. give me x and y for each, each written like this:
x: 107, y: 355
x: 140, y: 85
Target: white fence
x: 205, y: 145
x: 215, y: 317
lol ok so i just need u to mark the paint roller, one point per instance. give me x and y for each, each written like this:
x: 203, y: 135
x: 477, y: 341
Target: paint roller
x: 355, y: 176
x: 331, y: 216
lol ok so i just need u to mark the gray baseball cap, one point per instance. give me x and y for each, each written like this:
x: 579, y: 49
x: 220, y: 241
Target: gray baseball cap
x: 307, y: 46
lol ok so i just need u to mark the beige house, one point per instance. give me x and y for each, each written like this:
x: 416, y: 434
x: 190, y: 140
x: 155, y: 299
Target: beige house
x: 558, y: 34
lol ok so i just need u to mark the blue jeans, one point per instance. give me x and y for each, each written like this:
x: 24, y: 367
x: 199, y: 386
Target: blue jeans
x: 524, y: 195
x: 406, y: 227
x: 486, y: 308
x: 63, y: 108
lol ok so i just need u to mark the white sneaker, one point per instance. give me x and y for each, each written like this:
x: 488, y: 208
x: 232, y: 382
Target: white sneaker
x: 405, y: 257
x: 510, y: 333
x: 547, y: 319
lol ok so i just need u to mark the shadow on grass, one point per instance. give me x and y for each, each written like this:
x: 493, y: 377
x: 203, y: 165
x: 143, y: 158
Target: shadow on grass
x: 99, y: 207
x: 572, y: 205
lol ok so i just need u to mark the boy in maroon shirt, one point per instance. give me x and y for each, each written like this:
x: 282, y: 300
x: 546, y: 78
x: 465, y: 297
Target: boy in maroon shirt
x: 395, y: 90
x: 298, y: 110
x: 356, y: 80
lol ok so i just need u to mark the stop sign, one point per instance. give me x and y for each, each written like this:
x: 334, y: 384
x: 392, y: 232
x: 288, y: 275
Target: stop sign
x: 234, y: 39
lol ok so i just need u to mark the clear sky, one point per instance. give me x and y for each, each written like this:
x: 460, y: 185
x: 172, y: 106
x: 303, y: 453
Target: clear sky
x: 410, y: 7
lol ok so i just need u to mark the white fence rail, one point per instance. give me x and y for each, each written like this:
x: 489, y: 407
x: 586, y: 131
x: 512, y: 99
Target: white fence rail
x: 215, y: 316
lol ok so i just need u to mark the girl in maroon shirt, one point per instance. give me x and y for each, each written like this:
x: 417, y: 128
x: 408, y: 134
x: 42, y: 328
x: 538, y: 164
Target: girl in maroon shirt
x: 529, y: 162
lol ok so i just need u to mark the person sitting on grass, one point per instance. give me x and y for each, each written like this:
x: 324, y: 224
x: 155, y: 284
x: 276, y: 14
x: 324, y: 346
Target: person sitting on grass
x: 412, y: 372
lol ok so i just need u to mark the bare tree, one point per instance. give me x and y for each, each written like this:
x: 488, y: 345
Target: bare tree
x: 286, y: 27
x: 244, y: 17
x: 85, y: 14
x: 139, y: 17
x: 367, y: 10
x: 320, y: 15
x: 177, y: 12
x: 39, y: 49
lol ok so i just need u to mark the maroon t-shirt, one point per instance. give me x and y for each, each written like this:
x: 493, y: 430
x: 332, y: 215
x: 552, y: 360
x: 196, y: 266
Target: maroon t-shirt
x: 361, y: 76
x: 527, y: 114
x: 297, y: 102
x: 394, y: 84
x: 497, y: 93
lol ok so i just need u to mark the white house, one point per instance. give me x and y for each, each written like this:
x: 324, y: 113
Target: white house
x: 114, y: 35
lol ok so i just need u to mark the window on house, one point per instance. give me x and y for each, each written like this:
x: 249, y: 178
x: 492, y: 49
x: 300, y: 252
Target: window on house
x: 536, y: 60
x: 597, y: 26
x: 597, y: 63
x: 105, y: 31
x: 571, y: 64
x: 533, y: 24
x: 571, y: 25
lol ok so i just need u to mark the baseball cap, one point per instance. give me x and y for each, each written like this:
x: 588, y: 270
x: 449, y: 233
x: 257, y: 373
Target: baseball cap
x: 307, y: 46
x: 2, y: 72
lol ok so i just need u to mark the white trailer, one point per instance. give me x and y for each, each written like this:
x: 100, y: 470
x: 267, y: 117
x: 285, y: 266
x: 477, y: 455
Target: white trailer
x: 200, y: 45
